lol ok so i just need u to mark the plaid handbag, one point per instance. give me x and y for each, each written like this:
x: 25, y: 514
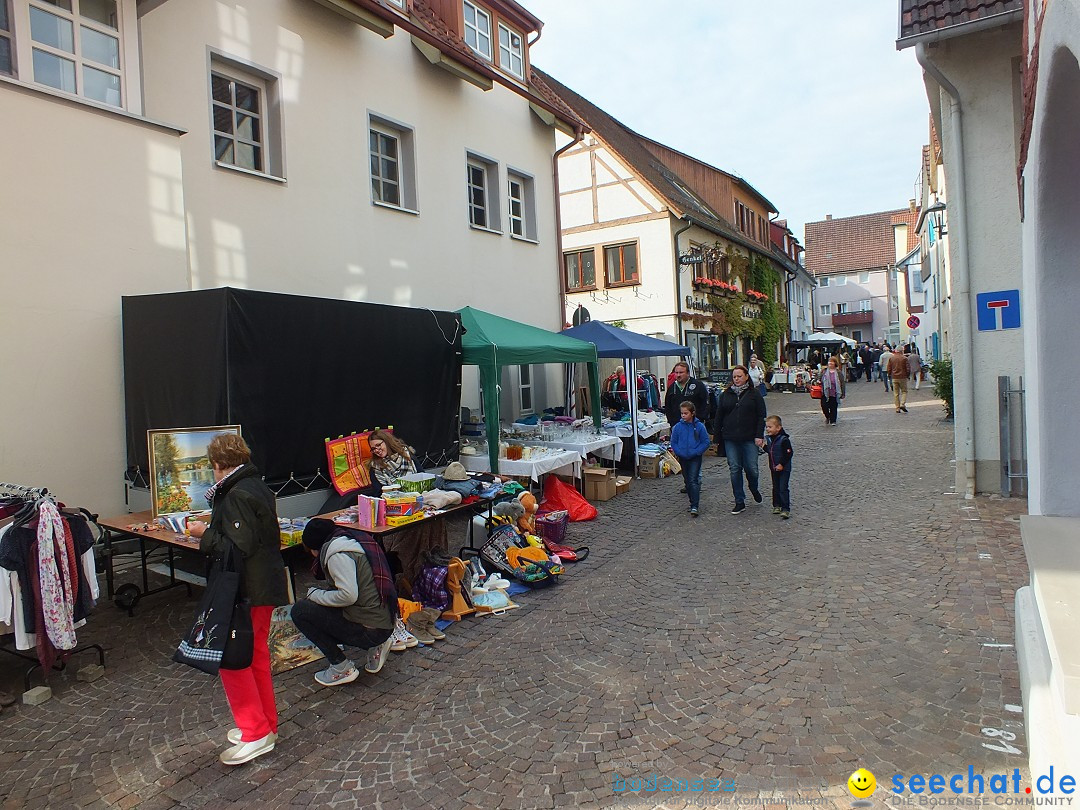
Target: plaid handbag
x: 221, y: 636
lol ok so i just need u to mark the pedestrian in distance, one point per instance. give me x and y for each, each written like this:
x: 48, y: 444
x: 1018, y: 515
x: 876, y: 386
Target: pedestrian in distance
x: 244, y: 513
x: 778, y: 447
x: 833, y: 389
x: 898, y: 375
x: 689, y: 441
x: 883, y: 365
x: 915, y: 366
x: 866, y: 355
x: 739, y: 427
x: 756, y: 370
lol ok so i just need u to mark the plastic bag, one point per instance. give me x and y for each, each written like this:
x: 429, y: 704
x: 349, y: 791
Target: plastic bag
x: 560, y: 495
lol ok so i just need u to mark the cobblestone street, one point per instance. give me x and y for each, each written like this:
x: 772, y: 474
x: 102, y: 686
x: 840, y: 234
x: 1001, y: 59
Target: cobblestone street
x: 872, y: 629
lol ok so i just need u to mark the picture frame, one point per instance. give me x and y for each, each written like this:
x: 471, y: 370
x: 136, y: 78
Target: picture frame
x: 180, y: 470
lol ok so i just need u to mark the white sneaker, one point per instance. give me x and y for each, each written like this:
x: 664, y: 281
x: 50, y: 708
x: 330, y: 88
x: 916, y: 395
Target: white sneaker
x: 235, y: 736
x: 337, y: 674
x: 247, y: 751
x: 377, y: 656
x: 401, y: 639
x: 497, y: 582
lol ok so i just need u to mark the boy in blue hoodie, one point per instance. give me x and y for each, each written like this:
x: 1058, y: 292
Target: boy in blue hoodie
x: 689, y: 441
x: 778, y: 446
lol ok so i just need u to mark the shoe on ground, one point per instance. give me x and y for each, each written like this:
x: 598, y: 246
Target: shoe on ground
x: 898, y: 410
x: 438, y: 634
x: 693, y: 512
x: 903, y: 408
x: 420, y: 632
x: 497, y: 582
x: 785, y: 515
x: 338, y: 674
x: 776, y: 510
x: 377, y: 656
x: 739, y: 507
x: 401, y: 639
x: 235, y: 736
x: 247, y: 751
x: 682, y: 491
x: 757, y: 495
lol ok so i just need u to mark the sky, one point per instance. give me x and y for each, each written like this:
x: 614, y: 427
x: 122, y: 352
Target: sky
x: 809, y: 102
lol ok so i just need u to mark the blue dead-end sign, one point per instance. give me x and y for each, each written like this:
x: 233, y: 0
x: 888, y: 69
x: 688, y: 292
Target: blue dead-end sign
x: 998, y: 310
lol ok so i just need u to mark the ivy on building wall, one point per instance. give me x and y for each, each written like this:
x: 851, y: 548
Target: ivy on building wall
x: 764, y: 278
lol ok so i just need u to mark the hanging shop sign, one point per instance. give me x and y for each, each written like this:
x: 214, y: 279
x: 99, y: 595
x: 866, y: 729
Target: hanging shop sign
x: 691, y: 258
x: 701, y: 305
x: 751, y: 312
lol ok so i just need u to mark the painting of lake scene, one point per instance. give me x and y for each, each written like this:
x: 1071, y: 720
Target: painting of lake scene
x: 180, y: 472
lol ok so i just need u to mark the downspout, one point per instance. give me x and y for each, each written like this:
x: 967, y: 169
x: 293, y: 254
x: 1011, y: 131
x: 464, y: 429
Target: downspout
x: 678, y: 275
x: 579, y: 135
x: 961, y: 286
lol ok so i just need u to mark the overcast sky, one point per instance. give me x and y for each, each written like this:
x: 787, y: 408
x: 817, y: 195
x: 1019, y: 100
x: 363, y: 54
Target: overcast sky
x: 809, y: 102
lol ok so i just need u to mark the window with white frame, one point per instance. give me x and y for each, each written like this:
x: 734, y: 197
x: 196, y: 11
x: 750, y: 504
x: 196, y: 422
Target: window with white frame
x: 482, y: 183
x: 525, y: 387
x: 840, y: 281
x: 825, y: 309
x: 247, y: 134
x: 842, y: 308
x: 7, y: 60
x: 864, y: 277
x: 864, y: 305
x: 511, y: 52
x: 73, y: 45
x: 823, y: 281
x: 392, y: 159
x: 520, y: 195
x: 477, y: 29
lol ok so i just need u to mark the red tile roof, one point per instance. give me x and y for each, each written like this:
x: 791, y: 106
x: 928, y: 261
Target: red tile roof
x: 921, y: 17
x: 863, y: 242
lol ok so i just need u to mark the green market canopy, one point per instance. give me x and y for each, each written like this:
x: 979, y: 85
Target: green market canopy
x: 491, y: 342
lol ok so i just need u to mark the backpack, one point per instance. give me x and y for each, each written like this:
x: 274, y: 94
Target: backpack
x: 503, y: 536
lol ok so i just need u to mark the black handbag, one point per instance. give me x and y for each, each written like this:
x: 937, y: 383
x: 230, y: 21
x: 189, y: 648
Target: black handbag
x: 222, y: 635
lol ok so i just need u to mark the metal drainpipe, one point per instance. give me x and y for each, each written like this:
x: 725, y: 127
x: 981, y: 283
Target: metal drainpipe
x: 678, y: 275
x: 961, y: 286
x: 579, y: 135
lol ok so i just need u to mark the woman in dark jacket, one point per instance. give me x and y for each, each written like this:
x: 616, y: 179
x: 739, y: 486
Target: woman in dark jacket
x: 245, y: 514
x: 739, y: 427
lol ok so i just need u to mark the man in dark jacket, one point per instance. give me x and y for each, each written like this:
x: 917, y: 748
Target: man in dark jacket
x: 740, y: 427
x: 866, y: 359
x: 685, y: 388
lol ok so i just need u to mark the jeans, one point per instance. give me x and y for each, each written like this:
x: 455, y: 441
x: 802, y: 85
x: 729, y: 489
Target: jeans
x: 883, y: 375
x: 781, y: 496
x: 828, y: 407
x: 691, y: 474
x: 742, y: 456
x: 327, y: 627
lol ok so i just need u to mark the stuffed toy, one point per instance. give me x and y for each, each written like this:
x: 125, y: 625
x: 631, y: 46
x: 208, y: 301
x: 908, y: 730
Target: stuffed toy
x: 527, y: 522
x: 511, y: 509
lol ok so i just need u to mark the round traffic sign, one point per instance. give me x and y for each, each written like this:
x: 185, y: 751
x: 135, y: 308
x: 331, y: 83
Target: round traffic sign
x: 913, y: 322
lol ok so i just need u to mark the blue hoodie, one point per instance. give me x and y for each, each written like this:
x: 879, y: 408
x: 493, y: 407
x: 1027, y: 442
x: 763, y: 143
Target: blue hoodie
x: 689, y: 439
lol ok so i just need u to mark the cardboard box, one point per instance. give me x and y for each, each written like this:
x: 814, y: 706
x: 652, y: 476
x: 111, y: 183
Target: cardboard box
x: 622, y: 484
x: 403, y: 519
x: 649, y: 466
x: 599, y: 483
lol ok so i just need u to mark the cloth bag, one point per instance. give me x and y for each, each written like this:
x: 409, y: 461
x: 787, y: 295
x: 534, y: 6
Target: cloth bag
x: 222, y: 635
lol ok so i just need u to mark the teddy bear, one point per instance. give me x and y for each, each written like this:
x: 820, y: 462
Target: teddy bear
x: 527, y: 522
x: 511, y: 509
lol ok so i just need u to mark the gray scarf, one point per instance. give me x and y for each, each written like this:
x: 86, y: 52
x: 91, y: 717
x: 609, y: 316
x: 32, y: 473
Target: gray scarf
x: 739, y: 389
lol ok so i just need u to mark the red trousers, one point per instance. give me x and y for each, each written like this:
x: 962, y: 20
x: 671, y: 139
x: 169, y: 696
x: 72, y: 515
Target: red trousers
x: 250, y: 691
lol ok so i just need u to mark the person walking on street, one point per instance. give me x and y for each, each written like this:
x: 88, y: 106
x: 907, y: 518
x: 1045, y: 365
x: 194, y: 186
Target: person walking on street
x: 883, y: 365
x: 756, y: 370
x: 739, y: 427
x: 778, y: 448
x: 898, y: 373
x: 244, y: 514
x: 866, y: 355
x: 914, y: 362
x: 689, y: 441
x: 685, y: 388
x: 833, y: 389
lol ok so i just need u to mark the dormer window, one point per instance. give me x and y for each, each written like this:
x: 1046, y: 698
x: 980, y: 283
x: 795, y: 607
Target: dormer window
x: 511, y: 58
x: 477, y: 29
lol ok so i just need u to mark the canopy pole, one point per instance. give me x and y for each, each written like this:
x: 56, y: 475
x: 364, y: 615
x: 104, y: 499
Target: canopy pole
x: 632, y: 389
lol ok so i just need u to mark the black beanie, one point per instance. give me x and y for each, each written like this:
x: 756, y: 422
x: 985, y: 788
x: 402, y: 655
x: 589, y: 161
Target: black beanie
x: 317, y: 532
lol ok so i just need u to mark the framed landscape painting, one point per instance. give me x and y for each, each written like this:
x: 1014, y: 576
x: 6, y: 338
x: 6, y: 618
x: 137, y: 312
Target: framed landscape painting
x: 180, y: 471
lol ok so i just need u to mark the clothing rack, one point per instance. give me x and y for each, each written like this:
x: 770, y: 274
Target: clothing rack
x: 7, y: 641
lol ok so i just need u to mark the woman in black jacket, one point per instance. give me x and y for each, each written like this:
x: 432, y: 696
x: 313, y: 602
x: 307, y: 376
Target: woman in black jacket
x: 739, y: 427
x: 245, y: 514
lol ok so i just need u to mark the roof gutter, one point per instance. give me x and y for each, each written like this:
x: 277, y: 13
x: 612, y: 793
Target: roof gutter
x: 963, y: 370
x: 961, y: 29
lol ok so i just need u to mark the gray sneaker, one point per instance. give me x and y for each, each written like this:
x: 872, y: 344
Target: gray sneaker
x: 377, y: 656
x: 338, y: 674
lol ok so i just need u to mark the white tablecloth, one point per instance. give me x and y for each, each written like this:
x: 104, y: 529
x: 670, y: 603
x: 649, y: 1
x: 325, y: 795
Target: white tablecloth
x: 604, y: 446
x: 533, y: 468
x: 646, y: 432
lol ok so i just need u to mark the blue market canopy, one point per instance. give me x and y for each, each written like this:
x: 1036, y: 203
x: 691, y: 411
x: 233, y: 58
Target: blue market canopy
x: 611, y: 341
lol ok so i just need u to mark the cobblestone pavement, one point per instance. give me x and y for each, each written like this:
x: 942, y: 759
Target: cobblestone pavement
x: 874, y: 628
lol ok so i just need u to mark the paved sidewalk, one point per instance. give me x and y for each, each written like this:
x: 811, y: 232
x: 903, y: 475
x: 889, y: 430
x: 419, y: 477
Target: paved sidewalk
x: 872, y: 629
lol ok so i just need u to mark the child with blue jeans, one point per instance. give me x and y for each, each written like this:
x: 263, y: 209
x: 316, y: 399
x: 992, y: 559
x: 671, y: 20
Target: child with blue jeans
x: 778, y: 446
x: 689, y: 441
